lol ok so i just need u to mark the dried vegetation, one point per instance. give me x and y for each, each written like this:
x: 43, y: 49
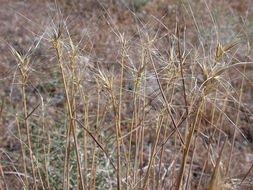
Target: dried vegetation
x: 139, y: 94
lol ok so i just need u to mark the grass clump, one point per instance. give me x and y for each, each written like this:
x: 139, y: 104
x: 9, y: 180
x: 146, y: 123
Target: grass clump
x: 152, y: 109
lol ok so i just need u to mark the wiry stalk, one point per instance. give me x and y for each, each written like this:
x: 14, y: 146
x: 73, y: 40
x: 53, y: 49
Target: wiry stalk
x: 164, y: 97
x: 142, y: 130
x: 75, y: 81
x: 39, y: 173
x: 123, y: 54
x: 188, y: 145
x: 181, y: 70
x: 238, y: 108
x: 58, y: 47
x: 22, y: 152
x: 152, y: 158
x: 216, y: 178
x: 118, y: 135
x: 192, y: 157
x: 133, y: 121
x: 44, y: 146
x: 3, y: 178
x: 86, y: 123
x: 108, y: 85
x: 169, y: 80
x: 23, y: 69
x: 93, y: 151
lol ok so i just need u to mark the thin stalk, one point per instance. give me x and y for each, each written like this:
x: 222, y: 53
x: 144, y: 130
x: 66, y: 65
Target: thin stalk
x: 237, y: 119
x: 137, y: 148
x: 58, y: 47
x: 167, y: 120
x: 202, y: 171
x: 192, y: 158
x: 152, y: 158
x: 67, y: 154
x: 23, y: 69
x: 39, y: 173
x: 142, y: 130
x: 133, y: 122
x: 44, y: 146
x: 75, y: 80
x: 118, y: 135
x: 123, y: 54
x: 93, y: 152
x: 3, y: 177
x: 216, y: 173
x: 161, y: 156
x: 171, y: 100
x: 188, y: 145
x: 248, y: 172
x: 181, y: 69
x: 191, y: 96
x: 165, y: 99
x: 22, y: 152
x: 1, y: 112
x: 27, y: 132
x: 239, y: 105
x: 98, y: 143
x: 220, y: 119
x: 139, y: 107
x: 86, y: 123
x: 214, y: 109
x: 154, y: 175
x: 108, y: 84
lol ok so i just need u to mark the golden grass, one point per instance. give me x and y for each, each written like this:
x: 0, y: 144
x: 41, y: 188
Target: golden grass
x: 165, y: 115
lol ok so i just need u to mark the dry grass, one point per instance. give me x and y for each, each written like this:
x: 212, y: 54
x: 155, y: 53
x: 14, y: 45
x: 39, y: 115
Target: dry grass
x: 126, y: 95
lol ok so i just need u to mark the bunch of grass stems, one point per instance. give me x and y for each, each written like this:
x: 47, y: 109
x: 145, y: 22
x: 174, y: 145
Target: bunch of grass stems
x: 128, y: 161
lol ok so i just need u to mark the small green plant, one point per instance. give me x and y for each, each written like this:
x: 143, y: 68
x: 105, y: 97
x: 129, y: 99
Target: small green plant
x: 138, y: 4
